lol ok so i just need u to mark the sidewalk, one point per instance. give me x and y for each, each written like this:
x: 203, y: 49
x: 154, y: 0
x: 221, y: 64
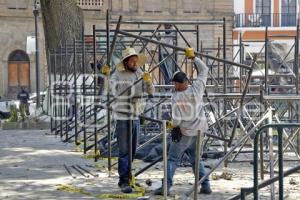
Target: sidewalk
x: 32, y: 166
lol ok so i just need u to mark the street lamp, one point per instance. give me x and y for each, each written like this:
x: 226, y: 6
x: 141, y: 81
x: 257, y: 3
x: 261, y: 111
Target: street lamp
x: 37, y: 68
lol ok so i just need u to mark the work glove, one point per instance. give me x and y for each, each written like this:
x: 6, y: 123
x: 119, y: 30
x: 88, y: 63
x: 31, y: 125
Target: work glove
x: 169, y: 125
x: 176, y: 134
x: 190, y: 53
x: 147, y: 78
x: 105, y: 70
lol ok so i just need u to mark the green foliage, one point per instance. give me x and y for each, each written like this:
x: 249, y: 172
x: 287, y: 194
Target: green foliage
x: 13, y: 114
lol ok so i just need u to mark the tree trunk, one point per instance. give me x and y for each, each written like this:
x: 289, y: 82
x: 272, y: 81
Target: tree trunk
x: 63, y: 22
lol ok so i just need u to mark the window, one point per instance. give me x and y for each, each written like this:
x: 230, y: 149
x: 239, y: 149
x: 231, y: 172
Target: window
x: 152, y: 6
x: 17, y: 4
x: 191, y: 6
x: 288, y: 12
x: 263, y: 10
x: 117, y: 5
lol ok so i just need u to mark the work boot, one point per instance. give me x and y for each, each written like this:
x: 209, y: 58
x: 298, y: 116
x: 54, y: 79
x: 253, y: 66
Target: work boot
x: 125, y: 188
x: 205, y: 190
x: 160, y: 191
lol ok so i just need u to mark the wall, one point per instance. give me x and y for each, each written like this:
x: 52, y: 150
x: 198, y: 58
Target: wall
x: 16, y: 23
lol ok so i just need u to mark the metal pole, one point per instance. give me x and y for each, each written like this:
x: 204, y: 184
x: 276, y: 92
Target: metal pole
x: 297, y: 60
x: 37, y: 67
x: 226, y: 156
x: 297, y: 80
x: 75, y: 91
x: 50, y: 91
x: 55, y: 95
x: 225, y: 88
x: 241, y: 60
x: 280, y: 163
x: 182, y: 49
x: 108, y: 91
x: 224, y: 57
x: 197, y: 164
x: 165, y: 159
x: 172, y: 22
x: 271, y: 155
x: 84, y: 91
x: 219, y: 53
x: 61, y: 100
x: 67, y: 90
x: 95, y: 95
x: 266, y: 61
x: 198, y: 38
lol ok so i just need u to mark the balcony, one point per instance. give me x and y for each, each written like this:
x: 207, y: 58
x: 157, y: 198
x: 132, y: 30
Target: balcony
x: 90, y: 4
x: 262, y: 20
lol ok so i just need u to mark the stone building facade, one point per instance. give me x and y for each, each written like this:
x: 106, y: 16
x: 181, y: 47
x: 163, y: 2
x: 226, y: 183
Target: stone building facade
x: 17, y: 67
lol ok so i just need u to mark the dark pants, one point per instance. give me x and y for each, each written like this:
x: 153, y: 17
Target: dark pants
x: 123, y: 144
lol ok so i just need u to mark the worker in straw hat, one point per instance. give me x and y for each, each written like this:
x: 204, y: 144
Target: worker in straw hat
x: 127, y: 72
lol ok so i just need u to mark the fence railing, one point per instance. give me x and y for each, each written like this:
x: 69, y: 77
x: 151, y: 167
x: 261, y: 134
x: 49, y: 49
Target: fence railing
x: 90, y: 4
x: 270, y: 19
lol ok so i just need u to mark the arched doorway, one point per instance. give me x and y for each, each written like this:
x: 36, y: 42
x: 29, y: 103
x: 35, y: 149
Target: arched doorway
x: 18, y: 71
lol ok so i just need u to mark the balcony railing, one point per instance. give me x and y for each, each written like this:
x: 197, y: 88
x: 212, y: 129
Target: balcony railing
x: 261, y: 20
x: 90, y: 4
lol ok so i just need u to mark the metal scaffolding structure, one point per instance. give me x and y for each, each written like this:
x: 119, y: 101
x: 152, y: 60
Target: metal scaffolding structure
x: 81, y: 101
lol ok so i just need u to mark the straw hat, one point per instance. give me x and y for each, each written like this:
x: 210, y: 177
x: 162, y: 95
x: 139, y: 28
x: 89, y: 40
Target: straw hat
x: 131, y: 52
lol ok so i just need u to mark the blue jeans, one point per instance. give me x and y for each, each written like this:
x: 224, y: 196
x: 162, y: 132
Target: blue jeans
x: 186, y: 144
x: 122, y: 133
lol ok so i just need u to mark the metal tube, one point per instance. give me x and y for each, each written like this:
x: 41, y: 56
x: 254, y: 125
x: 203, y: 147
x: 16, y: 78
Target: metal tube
x: 109, y: 55
x: 265, y: 183
x: 37, y: 59
x: 242, y: 101
x: 182, y: 36
x: 182, y: 49
x: 198, y: 38
x: 241, y: 60
x: 266, y: 61
x: 148, y: 166
x: 142, y: 31
x: 172, y: 22
x: 197, y: 163
x: 75, y: 93
x: 84, y: 91
x: 226, y: 156
x: 165, y: 159
x: 261, y: 152
x: 255, y: 156
x: 219, y: 53
x: 67, y: 90
x: 95, y: 95
x: 224, y: 57
x: 271, y: 156
x: 280, y: 163
x: 54, y: 100
x: 108, y: 90
x: 60, y: 91
x: 297, y: 60
x: 50, y: 91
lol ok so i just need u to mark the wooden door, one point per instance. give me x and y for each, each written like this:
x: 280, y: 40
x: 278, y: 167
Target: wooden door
x: 13, y: 75
x: 23, y: 69
x: 18, y: 74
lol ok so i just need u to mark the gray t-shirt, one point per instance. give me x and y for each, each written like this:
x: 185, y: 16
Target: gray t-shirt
x: 187, y: 109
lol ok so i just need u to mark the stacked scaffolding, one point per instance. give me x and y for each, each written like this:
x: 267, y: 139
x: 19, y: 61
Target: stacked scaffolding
x: 81, y: 109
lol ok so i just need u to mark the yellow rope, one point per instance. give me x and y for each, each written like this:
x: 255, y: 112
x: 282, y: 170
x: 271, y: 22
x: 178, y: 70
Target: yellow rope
x: 139, y: 192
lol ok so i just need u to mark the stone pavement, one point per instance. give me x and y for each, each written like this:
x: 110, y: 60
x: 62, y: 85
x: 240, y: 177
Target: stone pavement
x: 32, y: 166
